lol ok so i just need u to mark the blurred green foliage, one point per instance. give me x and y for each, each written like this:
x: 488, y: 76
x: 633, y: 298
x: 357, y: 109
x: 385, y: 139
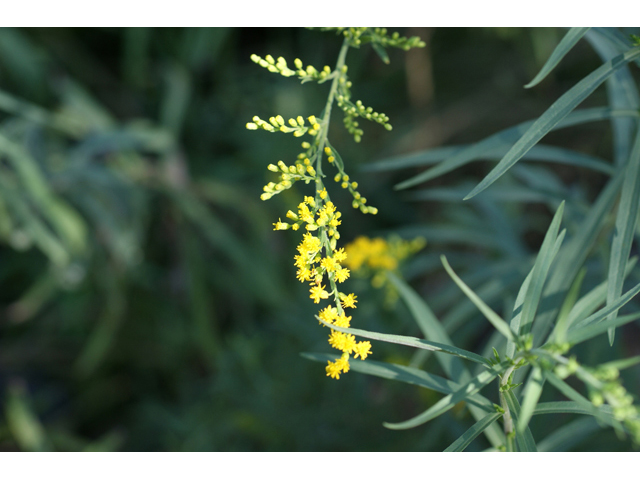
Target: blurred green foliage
x: 146, y: 303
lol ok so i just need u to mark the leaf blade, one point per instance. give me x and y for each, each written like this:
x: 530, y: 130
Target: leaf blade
x: 624, y: 230
x: 492, y: 316
x: 467, y: 437
x: 572, y: 37
x: 409, y: 375
x: 554, y: 114
x: 410, y: 342
x: 448, y: 402
x: 530, y: 397
x: 548, y: 251
x: 506, y: 139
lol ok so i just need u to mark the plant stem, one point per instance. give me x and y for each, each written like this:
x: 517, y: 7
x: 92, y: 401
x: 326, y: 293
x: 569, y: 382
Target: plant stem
x: 507, y: 418
x: 320, y: 142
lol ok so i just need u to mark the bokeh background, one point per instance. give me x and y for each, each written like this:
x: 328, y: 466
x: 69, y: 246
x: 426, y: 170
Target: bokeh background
x: 146, y: 302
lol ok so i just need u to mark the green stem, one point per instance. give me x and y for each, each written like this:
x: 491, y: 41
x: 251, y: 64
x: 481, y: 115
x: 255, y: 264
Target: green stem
x: 320, y: 142
x: 324, y: 126
x: 509, y: 432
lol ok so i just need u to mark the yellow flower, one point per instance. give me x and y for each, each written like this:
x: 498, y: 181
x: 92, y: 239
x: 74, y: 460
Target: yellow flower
x: 343, y: 321
x: 340, y: 255
x: 345, y: 342
x: 342, y: 274
x: 349, y: 301
x: 333, y: 370
x: 310, y: 245
x: 329, y: 314
x: 328, y: 263
x: 304, y: 274
x: 343, y: 363
x: 362, y: 349
x: 279, y: 225
x: 317, y: 293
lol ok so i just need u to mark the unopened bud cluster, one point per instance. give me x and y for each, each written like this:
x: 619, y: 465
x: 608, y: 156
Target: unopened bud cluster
x: 358, y: 200
x: 305, y: 74
x: 353, y: 110
x: 381, y: 37
x: 301, y: 170
x: 358, y: 36
x: 293, y: 125
x: 605, y: 386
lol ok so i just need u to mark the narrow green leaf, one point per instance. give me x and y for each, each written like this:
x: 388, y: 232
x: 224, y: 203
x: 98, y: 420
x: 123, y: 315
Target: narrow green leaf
x: 448, y: 402
x: 506, y: 139
x: 492, y: 316
x: 548, y: 250
x: 622, y: 364
x: 562, y: 323
x: 525, y: 440
x: 546, y: 408
x: 569, y: 435
x: 601, y: 314
x: 408, y: 160
x: 517, y: 314
x: 405, y: 374
x: 579, y: 335
x: 431, y: 328
x: 615, y: 37
x: 467, y: 437
x: 410, y: 342
x: 530, y: 397
x: 625, y: 228
x: 566, y: 44
x: 499, y: 193
x: 539, y: 153
x: 589, y: 302
x: 560, y: 109
x: 382, y: 53
x: 621, y: 90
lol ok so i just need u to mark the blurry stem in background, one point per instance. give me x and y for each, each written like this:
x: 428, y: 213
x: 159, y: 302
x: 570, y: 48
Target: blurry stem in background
x: 419, y: 70
x: 206, y: 336
x: 22, y: 421
x: 108, y: 322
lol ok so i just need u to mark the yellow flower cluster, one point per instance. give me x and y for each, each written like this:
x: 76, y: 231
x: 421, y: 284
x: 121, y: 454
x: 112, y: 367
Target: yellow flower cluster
x: 319, y: 262
x: 376, y: 256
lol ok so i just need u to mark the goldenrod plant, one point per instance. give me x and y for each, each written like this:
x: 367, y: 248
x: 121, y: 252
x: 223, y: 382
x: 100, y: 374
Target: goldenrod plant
x: 319, y: 260
x: 561, y: 299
